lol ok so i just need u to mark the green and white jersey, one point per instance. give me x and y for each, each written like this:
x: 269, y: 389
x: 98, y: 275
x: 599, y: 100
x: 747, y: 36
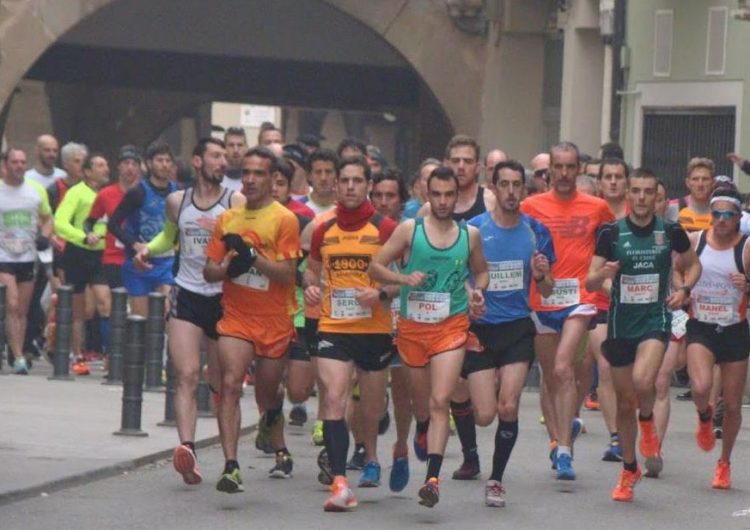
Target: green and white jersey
x: 20, y: 208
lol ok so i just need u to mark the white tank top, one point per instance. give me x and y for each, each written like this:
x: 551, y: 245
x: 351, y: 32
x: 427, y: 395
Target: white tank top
x: 714, y: 300
x: 196, y: 227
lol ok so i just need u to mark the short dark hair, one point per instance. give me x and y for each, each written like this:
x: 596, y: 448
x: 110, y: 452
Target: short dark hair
x: 442, y: 173
x: 461, y: 140
x: 513, y: 165
x: 202, y: 146
x: 612, y: 162
x: 158, y: 148
x: 396, y: 175
x: 285, y: 167
x: 324, y: 155
x: 235, y: 131
x: 356, y: 160
x: 267, y: 126
x: 643, y: 173
x: 611, y: 150
x: 566, y: 146
x: 352, y: 143
x: 89, y: 160
x: 265, y: 153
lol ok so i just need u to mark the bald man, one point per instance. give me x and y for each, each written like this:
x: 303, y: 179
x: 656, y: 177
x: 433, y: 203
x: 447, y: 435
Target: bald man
x: 540, y: 166
x: 44, y: 171
x: 493, y: 158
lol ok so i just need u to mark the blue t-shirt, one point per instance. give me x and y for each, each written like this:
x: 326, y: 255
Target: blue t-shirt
x: 411, y: 208
x: 508, y: 252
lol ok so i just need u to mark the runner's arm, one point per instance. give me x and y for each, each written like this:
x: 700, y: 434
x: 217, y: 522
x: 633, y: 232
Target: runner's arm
x: 392, y: 249
x: 64, y: 217
x: 237, y: 199
x: 164, y: 241
x: 690, y: 264
x: 130, y: 203
x: 477, y: 263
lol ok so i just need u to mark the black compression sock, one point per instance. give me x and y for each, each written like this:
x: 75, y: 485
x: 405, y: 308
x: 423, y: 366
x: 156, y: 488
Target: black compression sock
x: 632, y: 467
x: 463, y: 415
x: 505, y: 438
x: 434, y: 463
x: 336, y: 437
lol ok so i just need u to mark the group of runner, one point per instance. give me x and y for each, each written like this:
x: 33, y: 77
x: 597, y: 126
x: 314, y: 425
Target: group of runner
x: 455, y: 303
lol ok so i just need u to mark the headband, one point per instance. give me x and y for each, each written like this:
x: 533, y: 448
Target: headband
x: 733, y: 200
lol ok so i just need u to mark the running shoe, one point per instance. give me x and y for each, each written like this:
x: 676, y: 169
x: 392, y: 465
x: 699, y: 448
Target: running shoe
x: 623, y: 492
x: 649, y: 442
x: 317, y: 433
x: 80, y: 367
x: 469, y: 469
x: 263, y: 437
x: 685, y: 396
x: 20, y: 367
x: 298, y: 415
x: 342, y: 498
x: 370, y: 477
x: 576, y: 427
x: 613, y: 452
x: 325, y: 476
x: 429, y: 493
x: 357, y: 461
x: 185, y: 463
x: 399, y: 477
x: 553, y: 453
x: 705, y: 434
x: 230, y: 482
x: 591, y: 402
x: 494, y: 494
x: 283, y: 467
x: 654, y: 466
x: 722, y: 476
x: 420, y: 446
x: 565, y: 467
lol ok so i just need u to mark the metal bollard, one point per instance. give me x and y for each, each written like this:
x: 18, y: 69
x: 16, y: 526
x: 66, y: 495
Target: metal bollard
x: 155, y: 342
x: 204, y: 392
x: 2, y: 324
x: 170, y: 415
x: 63, y: 332
x: 132, y: 381
x: 116, y: 343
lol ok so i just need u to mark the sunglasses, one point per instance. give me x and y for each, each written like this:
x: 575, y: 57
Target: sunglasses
x: 723, y: 214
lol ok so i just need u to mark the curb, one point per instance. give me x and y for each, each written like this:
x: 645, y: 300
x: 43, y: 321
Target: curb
x: 102, y: 473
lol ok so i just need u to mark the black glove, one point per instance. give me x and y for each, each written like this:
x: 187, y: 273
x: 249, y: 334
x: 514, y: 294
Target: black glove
x: 42, y: 243
x: 245, y: 258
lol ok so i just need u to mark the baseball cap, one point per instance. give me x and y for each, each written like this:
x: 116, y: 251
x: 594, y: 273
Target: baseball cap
x: 129, y: 152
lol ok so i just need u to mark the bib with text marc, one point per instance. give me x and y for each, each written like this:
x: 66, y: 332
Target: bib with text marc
x: 566, y: 292
x: 427, y: 307
x: 639, y: 288
x: 505, y: 275
x: 253, y: 279
x: 344, y: 305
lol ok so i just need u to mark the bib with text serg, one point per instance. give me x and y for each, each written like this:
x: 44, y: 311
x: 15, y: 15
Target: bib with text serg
x: 715, y: 309
x: 639, y: 288
x: 428, y: 308
x: 566, y: 292
x: 253, y: 279
x: 344, y: 305
x: 679, y: 323
x: 505, y: 275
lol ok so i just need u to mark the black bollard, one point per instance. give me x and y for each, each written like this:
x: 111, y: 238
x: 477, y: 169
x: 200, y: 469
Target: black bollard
x: 155, y: 342
x: 63, y: 332
x: 132, y: 380
x: 204, y: 392
x: 170, y: 416
x: 118, y: 318
x: 2, y: 325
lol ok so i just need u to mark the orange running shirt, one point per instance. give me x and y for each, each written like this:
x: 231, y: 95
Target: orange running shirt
x: 274, y: 232
x: 346, y: 256
x: 573, y: 224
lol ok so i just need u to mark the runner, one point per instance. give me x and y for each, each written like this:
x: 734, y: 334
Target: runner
x: 235, y: 141
x: 25, y: 228
x: 254, y: 251
x: 634, y: 257
x: 517, y: 249
x: 433, y: 325
x: 563, y: 318
x: 355, y: 325
x: 196, y: 305
x: 717, y: 332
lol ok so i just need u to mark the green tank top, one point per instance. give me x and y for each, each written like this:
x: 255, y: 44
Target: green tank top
x: 640, y: 287
x: 442, y: 294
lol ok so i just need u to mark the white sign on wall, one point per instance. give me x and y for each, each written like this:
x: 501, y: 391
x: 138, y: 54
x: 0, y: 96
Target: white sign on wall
x: 255, y: 115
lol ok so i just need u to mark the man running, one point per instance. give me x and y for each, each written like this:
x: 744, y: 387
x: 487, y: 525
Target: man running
x: 196, y: 305
x: 634, y: 257
x: 354, y: 326
x: 563, y: 318
x: 433, y: 327
x: 717, y: 332
x: 254, y: 251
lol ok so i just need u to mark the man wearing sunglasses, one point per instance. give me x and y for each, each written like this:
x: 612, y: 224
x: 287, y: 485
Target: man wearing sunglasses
x: 633, y: 262
x: 717, y: 333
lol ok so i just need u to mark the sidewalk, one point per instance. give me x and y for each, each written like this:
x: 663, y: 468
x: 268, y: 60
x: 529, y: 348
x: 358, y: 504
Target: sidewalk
x: 57, y: 433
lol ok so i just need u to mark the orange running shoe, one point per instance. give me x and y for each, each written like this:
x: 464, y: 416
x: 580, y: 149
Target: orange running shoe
x: 429, y: 493
x: 722, y: 476
x: 705, y: 435
x: 80, y: 367
x: 186, y: 464
x: 623, y: 492
x: 649, y: 443
x: 342, y: 498
x: 591, y: 403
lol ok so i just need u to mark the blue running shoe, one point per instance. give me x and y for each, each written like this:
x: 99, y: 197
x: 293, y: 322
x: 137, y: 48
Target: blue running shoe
x: 575, y: 429
x: 565, y: 467
x: 399, y: 473
x: 613, y: 453
x: 370, y: 477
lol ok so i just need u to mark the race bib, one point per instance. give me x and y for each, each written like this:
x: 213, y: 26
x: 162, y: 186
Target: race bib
x: 253, y: 279
x: 16, y: 244
x: 344, y: 305
x: 505, y: 275
x: 639, y: 288
x: 715, y: 309
x: 194, y: 241
x: 679, y: 323
x: 427, y: 307
x: 566, y: 292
